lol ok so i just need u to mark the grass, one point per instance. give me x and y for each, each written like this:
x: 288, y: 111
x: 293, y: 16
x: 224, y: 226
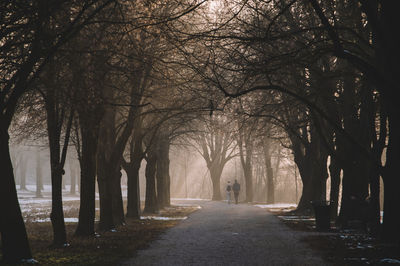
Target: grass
x: 106, y: 248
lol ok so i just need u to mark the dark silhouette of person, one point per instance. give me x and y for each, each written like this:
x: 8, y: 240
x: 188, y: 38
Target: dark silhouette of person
x: 236, y: 189
x: 228, y: 192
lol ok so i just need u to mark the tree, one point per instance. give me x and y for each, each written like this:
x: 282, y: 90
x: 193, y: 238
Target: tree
x: 132, y: 166
x: 39, y: 177
x: 25, y: 49
x: 151, y: 202
x: 216, y: 145
x: 246, y: 146
x: 59, y: 114
x: 266, y: 146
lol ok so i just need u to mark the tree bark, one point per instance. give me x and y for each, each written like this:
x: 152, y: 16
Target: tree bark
x: 215, y: 173
x: 117, y: 202
x: 89, y: 135
x: 151, y: 203
x: 22, y: 173
x: 269, y: 171
x: 334, y: 171
x: 39, y: 182
x: 391, y: 231
x: 163, y: 182
x: 72, y: 172
x: 133, y: 206
x: 15, y: 245
x: 388, y: 56
x: 104, y: 175
x: 246, y: 153
x: 55, y: 117
x: 132, y: 170
x: 300, y: 158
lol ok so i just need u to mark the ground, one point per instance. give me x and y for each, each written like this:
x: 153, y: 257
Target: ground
x: 106, y: 248
x: 199, y: 232
x: 229, y: 234
x: 352, y: 246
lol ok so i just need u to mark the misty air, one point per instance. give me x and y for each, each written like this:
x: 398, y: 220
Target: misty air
x: 199, y: 132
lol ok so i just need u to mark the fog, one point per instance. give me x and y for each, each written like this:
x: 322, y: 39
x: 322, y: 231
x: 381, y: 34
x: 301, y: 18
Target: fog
x: 190, y: 177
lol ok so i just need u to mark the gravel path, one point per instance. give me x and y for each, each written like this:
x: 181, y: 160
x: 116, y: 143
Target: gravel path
x: 222, y: 234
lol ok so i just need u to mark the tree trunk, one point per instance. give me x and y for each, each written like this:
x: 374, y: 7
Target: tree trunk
x: 15, y: 245
x: 72, y: 172
x: 109, y: 173
x: 111, y: 205
x: 57, y: 214
x: 270, y: 186
x: 133, y: 208
x: 63, y: 183
x: 248, y: 177
x: 246, y: 154
x: 388, y: 56
x: 215, y: 173
x: 39, y: 182
x: 22, y: 173
x: 354, y: 189
x: 303, y: 164
x: 88, y: 180
x: 117, y: 202
x: 151, y: 203
x: 334, y: 171
x: 306, y: 197
x: 163, y: 172
x: 104, y: 175
x: 374, y: 209
x: 160, y: 179
x: 391, y: 231
x: 167, y: 184
x: 132, y: 170
x: 269, y: 172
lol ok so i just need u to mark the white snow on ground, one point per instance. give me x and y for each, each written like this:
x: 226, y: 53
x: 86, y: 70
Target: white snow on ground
x: 390, y: 261
x: 44, y: 200
x: 46, y: 220
x: 190, y: 199
x: 67, y: 220
x: 186, y: 205
x: 161, y: 218
x: 276, y: 205
x: 33, y: 208
x: 296, y: 218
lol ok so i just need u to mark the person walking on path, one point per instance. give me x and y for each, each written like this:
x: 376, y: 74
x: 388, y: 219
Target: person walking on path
x: 236, y: 189
x: 228, y: 192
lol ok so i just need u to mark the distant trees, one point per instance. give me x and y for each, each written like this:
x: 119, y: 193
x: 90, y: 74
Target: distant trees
x: 216, y: 144
x: 246, y: 130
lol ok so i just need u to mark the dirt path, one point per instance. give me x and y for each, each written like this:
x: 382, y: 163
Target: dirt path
x: 222, y: 234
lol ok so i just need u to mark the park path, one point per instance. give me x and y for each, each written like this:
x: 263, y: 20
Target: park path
x: 222, y: 234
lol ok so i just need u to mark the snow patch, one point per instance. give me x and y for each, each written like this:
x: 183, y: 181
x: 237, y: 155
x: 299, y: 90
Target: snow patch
x: 186, y: 205
x: 189, y: 199
x: 161, y: 218
x: 67, y: 220
x: 277, y: 205
x: 29, y: 261
x: 391, y: 261
x: 297, y: 218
